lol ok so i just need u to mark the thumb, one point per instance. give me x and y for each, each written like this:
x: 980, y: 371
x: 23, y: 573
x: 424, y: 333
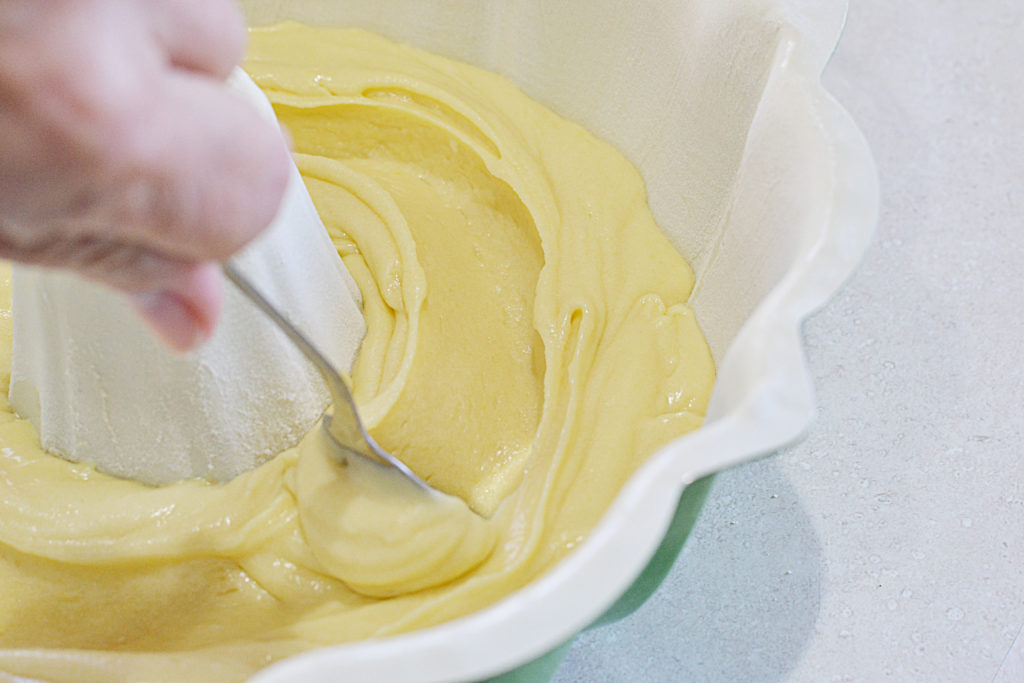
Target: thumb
x: 184, y: 313
x: 180, y: 300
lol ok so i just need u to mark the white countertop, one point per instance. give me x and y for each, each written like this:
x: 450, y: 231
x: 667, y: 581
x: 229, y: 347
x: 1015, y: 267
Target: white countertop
x: 889, y: 542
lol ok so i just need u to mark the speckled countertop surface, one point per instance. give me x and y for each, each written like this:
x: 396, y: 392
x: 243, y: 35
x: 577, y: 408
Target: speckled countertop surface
x: 889, y: 543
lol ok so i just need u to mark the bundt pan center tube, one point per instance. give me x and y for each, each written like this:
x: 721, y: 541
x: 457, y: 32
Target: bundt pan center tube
x: 99, y: 388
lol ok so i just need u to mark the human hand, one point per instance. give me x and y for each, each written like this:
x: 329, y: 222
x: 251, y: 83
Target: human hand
x: 123, y: 157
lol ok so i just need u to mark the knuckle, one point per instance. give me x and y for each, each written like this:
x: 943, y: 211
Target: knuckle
x: 124, y: 266
x: 230, y: 29
x: 105, y: 121
x: 216, y: 34
x: 145, y: 203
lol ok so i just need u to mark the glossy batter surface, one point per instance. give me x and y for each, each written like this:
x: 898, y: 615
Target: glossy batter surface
x: 528, y: 345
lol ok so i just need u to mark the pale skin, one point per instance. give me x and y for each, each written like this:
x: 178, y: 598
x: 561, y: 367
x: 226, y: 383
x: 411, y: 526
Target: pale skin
x: 122, y: 156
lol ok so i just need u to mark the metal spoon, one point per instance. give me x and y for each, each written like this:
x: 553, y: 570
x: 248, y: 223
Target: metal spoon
x: 344, y: 427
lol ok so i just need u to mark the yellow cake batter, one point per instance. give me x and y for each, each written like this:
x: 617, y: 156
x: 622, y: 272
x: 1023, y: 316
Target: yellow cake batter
x: 528, y: 345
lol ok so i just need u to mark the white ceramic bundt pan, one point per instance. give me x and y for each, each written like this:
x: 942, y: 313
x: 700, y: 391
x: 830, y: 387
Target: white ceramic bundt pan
x: 761, y: 180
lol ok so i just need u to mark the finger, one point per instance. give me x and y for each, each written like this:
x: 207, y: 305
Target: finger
x: 180, y: 300
x: 210, y: 176
x: 206, y: 36
x: 186, y: 316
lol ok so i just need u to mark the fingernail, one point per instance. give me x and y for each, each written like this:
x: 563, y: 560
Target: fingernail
x: 171, y: 318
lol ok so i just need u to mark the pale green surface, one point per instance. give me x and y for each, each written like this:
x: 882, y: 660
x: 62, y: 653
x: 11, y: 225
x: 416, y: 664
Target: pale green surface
x: 687, y: 512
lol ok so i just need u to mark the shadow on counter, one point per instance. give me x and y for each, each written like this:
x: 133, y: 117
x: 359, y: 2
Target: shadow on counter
x: 739, y: 604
